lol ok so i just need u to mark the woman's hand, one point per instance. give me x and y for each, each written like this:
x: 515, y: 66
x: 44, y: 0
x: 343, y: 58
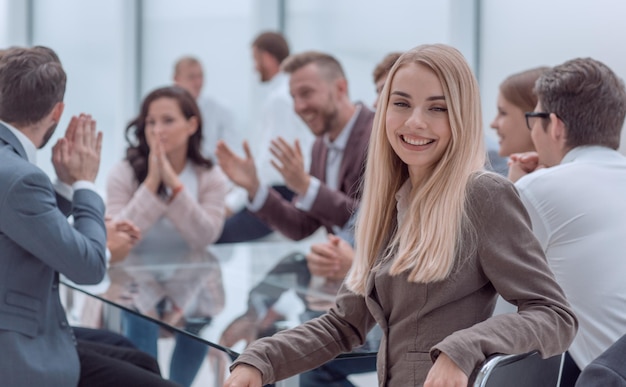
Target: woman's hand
x: 445, y: 373
x: 244, y: 376
x: 153, y: 179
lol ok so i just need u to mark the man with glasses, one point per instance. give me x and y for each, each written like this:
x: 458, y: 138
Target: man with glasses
x: 577, y: 202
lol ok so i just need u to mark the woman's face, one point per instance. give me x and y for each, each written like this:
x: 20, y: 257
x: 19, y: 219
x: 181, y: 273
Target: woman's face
x: 417, y: 122
x: 510, y: 125
x: 166, y: 123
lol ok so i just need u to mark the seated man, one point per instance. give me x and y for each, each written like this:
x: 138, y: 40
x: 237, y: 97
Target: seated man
x: 577, y: 204
x: 37, y: 244
x: 327, y: 195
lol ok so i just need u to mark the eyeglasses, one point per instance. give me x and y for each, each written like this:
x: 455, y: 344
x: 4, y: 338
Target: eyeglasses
x: 530, y: 118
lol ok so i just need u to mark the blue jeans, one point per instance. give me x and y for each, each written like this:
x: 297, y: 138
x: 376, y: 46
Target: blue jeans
x: 188, y: 353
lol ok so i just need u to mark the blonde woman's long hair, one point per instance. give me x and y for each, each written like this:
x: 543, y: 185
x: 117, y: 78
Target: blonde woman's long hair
x: 428, y: 240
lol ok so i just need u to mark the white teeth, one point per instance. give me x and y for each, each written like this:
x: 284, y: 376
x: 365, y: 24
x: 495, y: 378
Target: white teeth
x: 416, y: 142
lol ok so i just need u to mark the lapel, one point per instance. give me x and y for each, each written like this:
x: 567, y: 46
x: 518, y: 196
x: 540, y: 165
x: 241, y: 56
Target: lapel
x: 9, y: 138
x: 353, y: 145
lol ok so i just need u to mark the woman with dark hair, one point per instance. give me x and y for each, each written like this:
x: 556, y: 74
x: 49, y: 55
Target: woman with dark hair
x: 176, y: 198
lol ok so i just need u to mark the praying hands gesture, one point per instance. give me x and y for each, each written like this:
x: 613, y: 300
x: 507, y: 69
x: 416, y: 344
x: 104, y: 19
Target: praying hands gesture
x: 76, y: 156
x: 160, y: 169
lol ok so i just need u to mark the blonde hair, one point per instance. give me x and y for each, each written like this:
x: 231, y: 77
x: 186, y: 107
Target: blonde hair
x: 425, y: 245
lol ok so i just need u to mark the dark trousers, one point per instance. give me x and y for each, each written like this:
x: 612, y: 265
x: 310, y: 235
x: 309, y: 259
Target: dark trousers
x: 102, y: 336
x: 244, y: 226
x: 335, y: 373
x: 108, y: 365
x: 570, y: 372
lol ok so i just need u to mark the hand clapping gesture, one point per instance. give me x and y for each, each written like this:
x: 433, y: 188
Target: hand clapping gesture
x: 76, y: 156
x: 290, y: 163
x: 240, y: 170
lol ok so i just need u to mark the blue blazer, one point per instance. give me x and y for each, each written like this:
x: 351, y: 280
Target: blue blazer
x: 36, y: 244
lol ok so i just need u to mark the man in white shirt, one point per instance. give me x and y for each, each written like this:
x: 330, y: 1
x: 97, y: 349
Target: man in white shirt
x: 577, y: 202
x: 277, y: 119
x: 218, y: 123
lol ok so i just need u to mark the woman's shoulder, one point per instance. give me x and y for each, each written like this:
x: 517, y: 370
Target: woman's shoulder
x: 122, y: 167
x: 488, y: 189
x: 482, y: 182
x: 211, y: 174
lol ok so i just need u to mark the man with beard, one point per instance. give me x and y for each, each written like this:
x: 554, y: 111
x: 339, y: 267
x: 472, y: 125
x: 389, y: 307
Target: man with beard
x: 36, y: 241
x: 276, y: 118
x: 327, y: 195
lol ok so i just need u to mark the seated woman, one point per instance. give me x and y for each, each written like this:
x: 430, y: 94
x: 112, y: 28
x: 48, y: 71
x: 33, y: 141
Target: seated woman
x: 437, y: 239
x: 516, y: 97
x: 176, y: 198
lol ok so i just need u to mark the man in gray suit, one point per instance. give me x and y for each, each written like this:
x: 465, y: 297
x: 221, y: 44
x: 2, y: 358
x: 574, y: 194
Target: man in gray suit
x: 36, y: 241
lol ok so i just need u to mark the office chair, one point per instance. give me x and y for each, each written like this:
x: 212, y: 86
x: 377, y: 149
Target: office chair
x: 525, y: 370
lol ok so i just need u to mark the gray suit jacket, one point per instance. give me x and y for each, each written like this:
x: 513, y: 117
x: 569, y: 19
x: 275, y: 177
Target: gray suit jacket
x: 36, y: 244
x: 608, y: 369
x: 331, y: 207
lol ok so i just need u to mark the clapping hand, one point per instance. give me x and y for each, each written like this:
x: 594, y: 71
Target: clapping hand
x: 290, y: 163
x: 240, y: 171
x: 76, y: 156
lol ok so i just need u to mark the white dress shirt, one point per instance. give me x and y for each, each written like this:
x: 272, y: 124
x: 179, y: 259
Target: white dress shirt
x: 578, y: 213
x: 218, y: 123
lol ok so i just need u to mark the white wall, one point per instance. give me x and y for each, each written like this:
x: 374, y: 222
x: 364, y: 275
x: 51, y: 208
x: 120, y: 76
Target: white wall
x: 360, y: 33
x: 95, y: 43
x: 516, y: 36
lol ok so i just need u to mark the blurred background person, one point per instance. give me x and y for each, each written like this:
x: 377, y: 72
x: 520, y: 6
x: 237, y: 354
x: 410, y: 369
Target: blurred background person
x: 175, y: 196
x: 218, y: 123
x: 277, y: 119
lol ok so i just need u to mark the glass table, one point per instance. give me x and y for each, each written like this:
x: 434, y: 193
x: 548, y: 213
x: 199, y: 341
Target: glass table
x: 225, y: 296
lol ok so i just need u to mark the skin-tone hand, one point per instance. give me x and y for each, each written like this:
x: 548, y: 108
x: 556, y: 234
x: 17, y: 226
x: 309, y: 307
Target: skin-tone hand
x: 244, y: 376
x: 331, y: 259
x: 76, y: 156
x: 244, y: 328
x: 240, y: 171
x: 160, y: 169
x: 121, y: 238
x: 445, y: 373
x: 521, y: 164
x: 290, y: 163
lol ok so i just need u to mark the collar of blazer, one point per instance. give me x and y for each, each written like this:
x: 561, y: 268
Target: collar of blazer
x: 9, y: 138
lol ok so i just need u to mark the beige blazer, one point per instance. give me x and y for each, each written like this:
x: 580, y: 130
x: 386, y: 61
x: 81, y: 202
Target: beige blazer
x: 199, y: 219
x: 452, y: 316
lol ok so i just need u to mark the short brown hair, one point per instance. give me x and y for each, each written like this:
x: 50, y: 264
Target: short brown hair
x: 329, y: 67
x: 383, y: 68
x: 589, y: 98
x: 518, y: 88
x: 273, y: 43
x: 32, y: 82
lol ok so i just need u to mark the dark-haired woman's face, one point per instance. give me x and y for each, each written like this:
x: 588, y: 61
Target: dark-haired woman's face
x: 166, y: 123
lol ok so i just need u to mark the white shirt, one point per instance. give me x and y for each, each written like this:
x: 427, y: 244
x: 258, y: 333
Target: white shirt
x: 277, y: 119
x: 334, y: 157
x: 578, y: 213
x: 218, y: 123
